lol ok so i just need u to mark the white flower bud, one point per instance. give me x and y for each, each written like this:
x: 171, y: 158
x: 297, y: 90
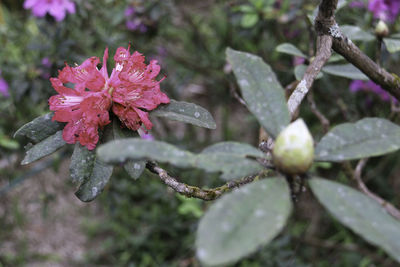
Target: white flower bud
x: 381, y: 29
x: 293, y: 152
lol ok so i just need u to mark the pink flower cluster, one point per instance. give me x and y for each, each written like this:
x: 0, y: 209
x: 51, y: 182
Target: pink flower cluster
x: 130, y: 91
x: 56, y: 8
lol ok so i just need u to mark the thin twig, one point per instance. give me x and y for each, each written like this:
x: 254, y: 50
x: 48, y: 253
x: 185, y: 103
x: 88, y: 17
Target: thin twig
x: 324, y: 121
x: 197, y: 192
x: 392, y: 210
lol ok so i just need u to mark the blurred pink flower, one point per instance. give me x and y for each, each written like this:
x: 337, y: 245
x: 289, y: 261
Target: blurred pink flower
x: 56, y: 8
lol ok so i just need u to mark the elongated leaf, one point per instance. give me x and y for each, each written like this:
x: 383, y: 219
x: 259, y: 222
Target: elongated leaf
x: 82, y: 162
x: 299, y: 71
x: 236, y: 148
x: 44, y: 148
x: 95, y: 183
x: 355, y: 33
x: 242, y: 221
x: 97, y: 177
x: 185, y: 112
x: 230, y: 164
x: 346, y: 71
x: 290, y: 49
x: 261, y: 90
x: 40, y: 128
x: 360, y: 213
x: 134, y: 168
x: 392, y: 45
x: 366, y: 138
x: 121, y: 150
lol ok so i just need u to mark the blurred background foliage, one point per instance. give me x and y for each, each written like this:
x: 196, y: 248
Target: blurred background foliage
x: 143, y: 223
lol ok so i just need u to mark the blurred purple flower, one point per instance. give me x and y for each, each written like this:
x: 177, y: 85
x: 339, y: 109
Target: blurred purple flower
x: 133, y: 21
x: 56, y: 8
x: 3, y: 87
x: 298, y: 60
x: 357, y: 4
x: 369, y: 86
x: 386, y: 10
x: 129, y: 11
x: 46, y: 62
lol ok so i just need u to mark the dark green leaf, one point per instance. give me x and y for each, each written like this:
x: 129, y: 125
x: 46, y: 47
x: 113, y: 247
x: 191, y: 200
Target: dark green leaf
x: 346, y: 71
x: 366, y: 138
x: 82, y: 162
x: 360, y: 213
x: 290, y: 49
x: 242, y: 221
x: 94, y: 185
x: 261, y: 90
x: 44, y: 148
x: 97, y: 177
x: 231, y: 165
x: 392, y: 45
x: 239, y: 149
x: 40, y: 128
x: 121, y: 150
x: 185, y: 112
x: 355, y: 33
x: 134, y: 168
x: 299, y: 71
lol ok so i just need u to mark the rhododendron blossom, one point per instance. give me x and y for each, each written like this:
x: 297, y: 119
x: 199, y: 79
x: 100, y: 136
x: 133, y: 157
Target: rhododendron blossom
x: 138, y: 91
x: 131, y: 90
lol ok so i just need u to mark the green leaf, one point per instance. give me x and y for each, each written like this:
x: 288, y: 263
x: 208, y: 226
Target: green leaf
x: 185, y: 112
x: 95, y: 183
x: 249, y: 20
x: 261, y: 90
x: 396, y: 35
x: 366, y: 138
x: 392, y: 45
x: 6, y: 142
x: 97, y: 177
x: 44, y: 148
x: 244, y: 9
x: 121, y: 150
x: 134, y: 168
x: 236, y: 148
x: 82, y: 162
x: 299, y: 71
x: 355, y: 33
x: 360, y: 213
x: 231, y: 165
x: 40, y: 128
x: 242, y: 221
x: 346, y: 71
x: 290, y: 49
